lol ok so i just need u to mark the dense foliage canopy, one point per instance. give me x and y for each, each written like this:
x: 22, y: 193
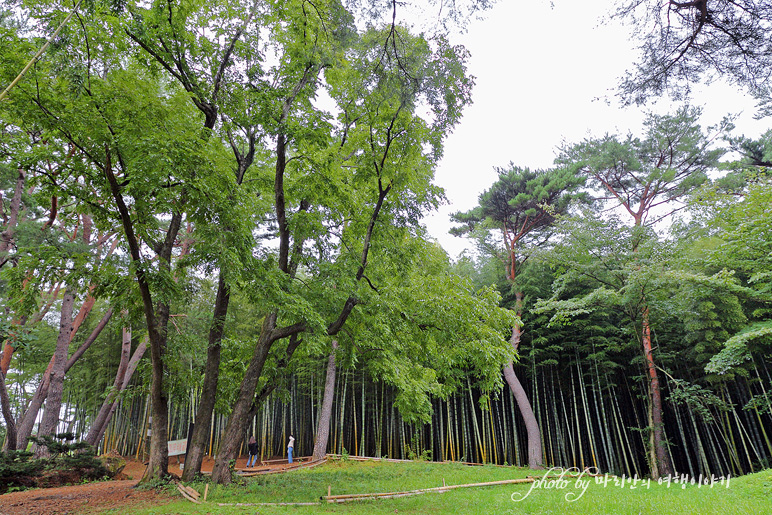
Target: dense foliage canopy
x: 212, y: 215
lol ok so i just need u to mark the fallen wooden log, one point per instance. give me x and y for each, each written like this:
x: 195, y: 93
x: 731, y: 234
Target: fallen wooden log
x: 311, y: 464
x: 367, y: 458
x: 188, y: 493
x: 252, y: 470
x: 438, y: 489
x: 269, y: 504
x: 284, y: 460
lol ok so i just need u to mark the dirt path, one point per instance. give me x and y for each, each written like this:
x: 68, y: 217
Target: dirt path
x: 93, y: 498
x: 88, y: 498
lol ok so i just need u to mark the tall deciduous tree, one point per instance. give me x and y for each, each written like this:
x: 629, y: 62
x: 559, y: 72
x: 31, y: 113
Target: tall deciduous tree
x: 229, y: 86
x: 377, y: 173
x: 140, y: 180
x: 422, y: 329
x: 521, y: 206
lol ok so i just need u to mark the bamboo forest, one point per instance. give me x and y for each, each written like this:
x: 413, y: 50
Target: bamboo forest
x: 213, y: 230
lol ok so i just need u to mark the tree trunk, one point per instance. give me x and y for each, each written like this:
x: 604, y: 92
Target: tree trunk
x: 662, y: 466
x: 56, y: 385
x: 158, y: 467
x: 231, y: 437
x: 99, y: 427
x: 201, y: 427
x: 6, y: 237
x: 6, y: 241
x: 10, y: 423
x: 28, y: 419
x: 323, y: 428
x: 111, y: 396
x: 5, y: 359
x: 535, y: 459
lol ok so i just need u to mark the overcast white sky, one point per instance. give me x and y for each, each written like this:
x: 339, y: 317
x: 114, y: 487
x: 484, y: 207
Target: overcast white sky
x: 540, y: 68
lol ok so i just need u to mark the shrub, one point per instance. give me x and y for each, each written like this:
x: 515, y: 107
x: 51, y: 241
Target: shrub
x: 68, y: 462
x: 18, y: 471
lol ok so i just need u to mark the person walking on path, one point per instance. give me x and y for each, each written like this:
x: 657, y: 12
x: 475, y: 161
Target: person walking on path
x: 252, y: 446
x: 290, y: 448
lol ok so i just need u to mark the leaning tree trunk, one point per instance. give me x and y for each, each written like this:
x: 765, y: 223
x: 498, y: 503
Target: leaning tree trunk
x: 660, y: 465
x: 56, y: 386
x: 28, y: 420
x: 123, y: 365
x: 323, y: 428
x: 99, y: 421
x: 99, y: 427
x: 231, y: 436
x: 535, y: 459
x: 200, y: 435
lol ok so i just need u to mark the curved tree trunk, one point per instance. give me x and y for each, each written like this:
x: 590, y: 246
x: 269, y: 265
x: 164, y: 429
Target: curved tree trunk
x: 535, y: 458
x: 6, y: 237
x: 323, y: 427
x: 202, y: 422
x: 201, y: 427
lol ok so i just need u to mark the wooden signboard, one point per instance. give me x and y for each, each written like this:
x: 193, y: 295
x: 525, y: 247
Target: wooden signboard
x: 177, y: 447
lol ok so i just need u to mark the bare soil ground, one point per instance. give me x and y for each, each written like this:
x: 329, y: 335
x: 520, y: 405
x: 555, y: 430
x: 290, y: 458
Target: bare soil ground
x: 97, y: 497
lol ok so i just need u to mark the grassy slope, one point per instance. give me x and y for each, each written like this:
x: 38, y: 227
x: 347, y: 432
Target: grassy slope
x: 750, y: 494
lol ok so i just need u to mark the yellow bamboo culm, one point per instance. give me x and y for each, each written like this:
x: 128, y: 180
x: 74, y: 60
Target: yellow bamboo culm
x: 40, y: 52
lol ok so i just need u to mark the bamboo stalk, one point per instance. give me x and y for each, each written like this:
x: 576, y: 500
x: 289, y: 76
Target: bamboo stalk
x: 578, y: 430
x: 587, y: 418
x: 569, y: 429
x: 188, y: 493
x: 601, y: 416
x: 742, y: 432
x: 758, y: 415
x: 683, y: 439
x: 473, y: 416
x: 516, y: 443
x: 364, y: 405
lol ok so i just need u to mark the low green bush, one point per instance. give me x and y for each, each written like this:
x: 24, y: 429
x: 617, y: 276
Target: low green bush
x: 67, y: 462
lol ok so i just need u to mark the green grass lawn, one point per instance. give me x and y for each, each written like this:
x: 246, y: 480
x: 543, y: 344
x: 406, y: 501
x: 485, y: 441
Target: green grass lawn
x: 750, y: 494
